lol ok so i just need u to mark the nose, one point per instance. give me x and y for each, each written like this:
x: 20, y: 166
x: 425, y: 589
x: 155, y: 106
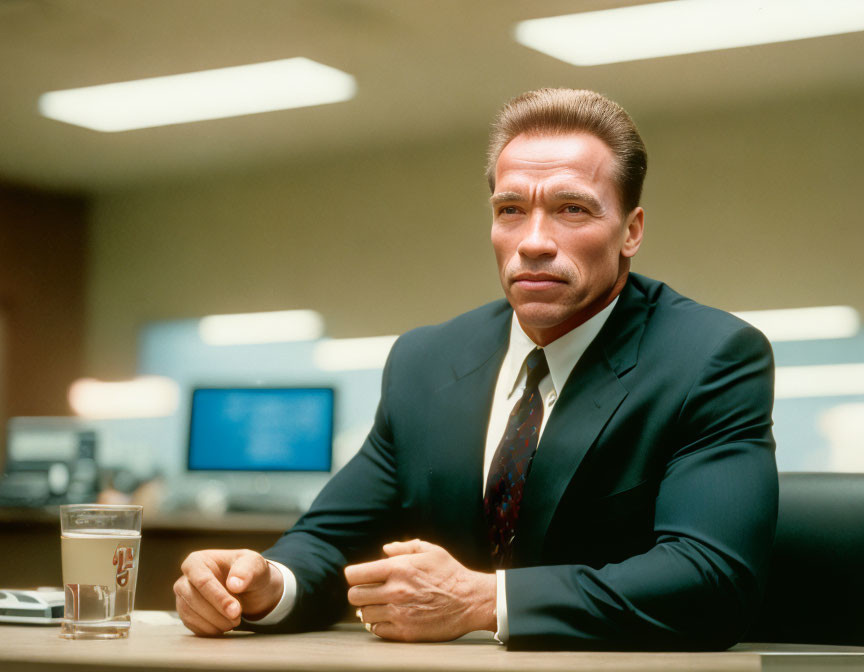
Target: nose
x: 537, y: 240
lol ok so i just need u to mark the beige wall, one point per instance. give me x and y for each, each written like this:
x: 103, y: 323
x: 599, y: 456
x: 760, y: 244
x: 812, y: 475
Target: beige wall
x: 759, y: 207
x: 378, y: 243
x: 747, y: 208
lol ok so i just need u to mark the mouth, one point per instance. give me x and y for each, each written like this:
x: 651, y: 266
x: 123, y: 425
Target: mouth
x: 537, y: 281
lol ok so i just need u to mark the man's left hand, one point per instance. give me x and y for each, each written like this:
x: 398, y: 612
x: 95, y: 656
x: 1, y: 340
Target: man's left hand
x: 420, y: 593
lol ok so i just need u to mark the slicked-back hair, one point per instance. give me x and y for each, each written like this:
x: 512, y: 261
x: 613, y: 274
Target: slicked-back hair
x: 564, y: 111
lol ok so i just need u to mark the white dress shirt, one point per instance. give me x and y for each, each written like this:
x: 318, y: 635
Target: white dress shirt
x: 561, y: 355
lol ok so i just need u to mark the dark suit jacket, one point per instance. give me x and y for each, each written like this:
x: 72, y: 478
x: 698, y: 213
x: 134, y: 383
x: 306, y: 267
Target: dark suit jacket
x: 649, y: 511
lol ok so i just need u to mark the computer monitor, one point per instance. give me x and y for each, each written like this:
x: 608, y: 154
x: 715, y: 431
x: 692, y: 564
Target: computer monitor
x: 261, y: 429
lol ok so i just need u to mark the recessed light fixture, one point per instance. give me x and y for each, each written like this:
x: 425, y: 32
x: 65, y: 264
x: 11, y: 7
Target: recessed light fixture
x: 685, y: 27
x: 826, y: 380
x: 278, y: 326
x: 351, y: 354
x: 804, y: 324
x: 143, y: 397
x: 197, y: 96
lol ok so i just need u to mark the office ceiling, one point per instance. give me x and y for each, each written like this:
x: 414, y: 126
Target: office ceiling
x: 426, y: 70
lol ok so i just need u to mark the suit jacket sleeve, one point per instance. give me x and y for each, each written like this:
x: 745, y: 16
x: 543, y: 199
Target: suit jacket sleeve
x: 351, y: 517
x: 715, y: 514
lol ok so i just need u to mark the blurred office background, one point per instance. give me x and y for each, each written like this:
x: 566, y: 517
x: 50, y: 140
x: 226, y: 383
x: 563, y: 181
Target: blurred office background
x: 373, y: 213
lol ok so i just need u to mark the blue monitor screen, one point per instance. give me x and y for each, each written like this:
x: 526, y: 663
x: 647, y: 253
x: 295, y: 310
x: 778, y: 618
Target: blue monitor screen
x: 261, y: 429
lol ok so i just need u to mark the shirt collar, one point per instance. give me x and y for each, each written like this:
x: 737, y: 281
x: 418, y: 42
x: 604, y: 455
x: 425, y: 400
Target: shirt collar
x: 561, y: 354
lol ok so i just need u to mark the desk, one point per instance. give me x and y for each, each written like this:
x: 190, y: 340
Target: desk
x: 159, y: 641
x: 34, y: 535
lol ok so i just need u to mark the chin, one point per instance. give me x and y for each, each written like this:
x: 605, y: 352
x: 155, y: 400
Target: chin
x: 541, y: 316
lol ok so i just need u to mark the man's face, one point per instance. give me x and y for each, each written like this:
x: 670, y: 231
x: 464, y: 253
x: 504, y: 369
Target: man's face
x: 560, y: 238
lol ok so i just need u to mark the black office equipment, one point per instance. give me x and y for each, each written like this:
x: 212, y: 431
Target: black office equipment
x: 816, y: 584
x: 49, y: 463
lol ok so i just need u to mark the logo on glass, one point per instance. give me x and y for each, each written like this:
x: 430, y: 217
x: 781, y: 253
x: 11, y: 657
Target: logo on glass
x: 125, y: 561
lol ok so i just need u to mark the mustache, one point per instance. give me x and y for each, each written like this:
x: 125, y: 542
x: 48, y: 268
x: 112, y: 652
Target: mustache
x: 514, y: 272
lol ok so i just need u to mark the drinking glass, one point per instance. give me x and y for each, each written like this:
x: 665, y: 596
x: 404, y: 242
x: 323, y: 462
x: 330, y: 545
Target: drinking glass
x: 99, y: 546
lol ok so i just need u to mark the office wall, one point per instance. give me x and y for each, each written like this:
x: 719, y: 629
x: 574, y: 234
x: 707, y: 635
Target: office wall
x: 748, y: 207
x: 759, y: 207
x: 3, y: 373
x: 377, y: 242
x: 42, y: 271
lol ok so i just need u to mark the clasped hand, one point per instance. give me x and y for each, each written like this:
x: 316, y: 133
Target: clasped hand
x: 421, y: 593
x: 218, y: 585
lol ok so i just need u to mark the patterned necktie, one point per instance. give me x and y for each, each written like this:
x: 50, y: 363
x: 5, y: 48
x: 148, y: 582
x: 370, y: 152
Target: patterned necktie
x: 512, y: 461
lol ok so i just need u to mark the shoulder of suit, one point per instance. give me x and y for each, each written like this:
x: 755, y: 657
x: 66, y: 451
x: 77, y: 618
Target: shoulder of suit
x: 673, y: 311
x: 457, y: 331
x: 463, y: 325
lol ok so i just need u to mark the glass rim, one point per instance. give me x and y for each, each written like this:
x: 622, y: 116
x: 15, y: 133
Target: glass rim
x: 102, y: 507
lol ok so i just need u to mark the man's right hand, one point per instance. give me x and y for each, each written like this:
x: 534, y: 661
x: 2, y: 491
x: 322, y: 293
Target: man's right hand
x: 219, y: 585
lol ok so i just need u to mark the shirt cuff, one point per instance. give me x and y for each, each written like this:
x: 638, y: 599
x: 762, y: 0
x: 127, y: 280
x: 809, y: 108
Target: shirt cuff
x: 503, y: 633
x: 286, y: 603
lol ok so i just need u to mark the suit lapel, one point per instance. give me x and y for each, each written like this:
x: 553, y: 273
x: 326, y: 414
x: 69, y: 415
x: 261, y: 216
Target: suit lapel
x: 590, y: 397
x: 456, y: 467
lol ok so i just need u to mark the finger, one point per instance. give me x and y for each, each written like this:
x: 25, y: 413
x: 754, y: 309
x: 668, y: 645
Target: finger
x: 376, y: 571
x: 205, y: 582
x: 247, y: 572
x: 197, y: 604
x: 386, y: 630
x: 403, y: 547
x: 194, y: 621
x: 199, y: 626
x: 365, y: 594
x: 376, y: 613
x: 406, y: 547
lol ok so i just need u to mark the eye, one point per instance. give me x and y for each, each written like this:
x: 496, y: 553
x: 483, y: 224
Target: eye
x: 574, y: 209
x: 508, y: 210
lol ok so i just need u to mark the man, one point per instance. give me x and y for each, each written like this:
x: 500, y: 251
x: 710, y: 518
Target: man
x: 587, y: 465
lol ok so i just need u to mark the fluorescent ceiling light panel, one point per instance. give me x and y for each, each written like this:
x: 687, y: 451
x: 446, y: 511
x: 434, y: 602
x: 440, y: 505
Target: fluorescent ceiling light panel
x: 271, y: 327
x: 828, y: 380
x: 143, y: 397
x: 196, y: 96
x: 350, y: 354
x: 685, y: 27
x: 805, y: 324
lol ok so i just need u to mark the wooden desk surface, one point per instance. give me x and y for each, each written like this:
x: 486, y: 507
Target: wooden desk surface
x: 159, y: 641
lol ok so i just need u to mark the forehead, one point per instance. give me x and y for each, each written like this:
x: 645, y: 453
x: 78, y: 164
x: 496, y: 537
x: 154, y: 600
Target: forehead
x: 580, y: 157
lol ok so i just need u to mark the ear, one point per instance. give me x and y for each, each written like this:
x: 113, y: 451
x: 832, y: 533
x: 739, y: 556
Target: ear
x: 635, y: 227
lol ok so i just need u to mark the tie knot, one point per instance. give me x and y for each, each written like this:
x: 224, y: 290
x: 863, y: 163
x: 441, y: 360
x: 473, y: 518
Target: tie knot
x: 537, y: 367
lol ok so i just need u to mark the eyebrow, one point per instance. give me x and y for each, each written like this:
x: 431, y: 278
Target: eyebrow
x: 505, y: 197
x: 583, y: 197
